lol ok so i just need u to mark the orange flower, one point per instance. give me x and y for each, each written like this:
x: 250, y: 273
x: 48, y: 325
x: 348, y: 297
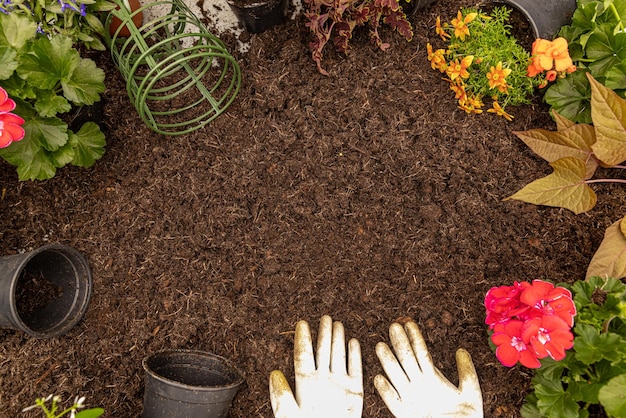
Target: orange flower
x: 461, y: 30
x: 498, y: 110
x: 437, y: 58
x: 458, y: 87
x: 549, y: 55
x: 459, y: 69
x: 551, y: 75
x: 440, y: 30
x: 497, y: 75
x: 471, y: 104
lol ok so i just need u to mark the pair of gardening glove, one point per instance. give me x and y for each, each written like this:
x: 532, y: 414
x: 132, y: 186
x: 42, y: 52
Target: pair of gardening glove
x: 413, y: 388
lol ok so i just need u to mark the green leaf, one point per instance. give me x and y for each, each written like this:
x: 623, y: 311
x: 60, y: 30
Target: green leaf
x: 574, y: 141
x: 51, y: 61
x: 608, y: 112
x: 88, y: 143
x: 84, y: 85
x: 553, y: 401
x: 16, y: 30
x: 610, y: 257
x: 590, y: 346
x: 90, y: 413
x: 8, y: 62
x: 49, y: 104
x: 605, y: 50
x: 570, y: 97
x: 565, y: 187
x: 613, y: 396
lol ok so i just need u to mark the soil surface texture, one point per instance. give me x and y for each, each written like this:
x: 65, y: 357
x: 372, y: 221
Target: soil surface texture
x: 366, y: 195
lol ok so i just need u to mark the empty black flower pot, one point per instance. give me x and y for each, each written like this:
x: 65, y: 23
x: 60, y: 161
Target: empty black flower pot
x: 44, y: 292
x: 189, y: 384
x: 259, y: 15
x: 545, y: 16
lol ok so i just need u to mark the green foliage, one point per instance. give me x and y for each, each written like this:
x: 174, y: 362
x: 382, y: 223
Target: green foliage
x: 597, y: 45
x: 574, y: 151
x: 337, y: 20
x: 54, y: 409
x: 594, y: 370
x: 46, y: 77
x: 77, y: 19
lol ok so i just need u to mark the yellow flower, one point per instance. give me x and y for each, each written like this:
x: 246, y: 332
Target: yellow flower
x: 471, y: 104
x: 461, y: 30
x: 498, y: 110
x: 459, y: 69
x: 497, y: 75
x: 437, y: 58
x: 458, y: 87
x: 440, y: 30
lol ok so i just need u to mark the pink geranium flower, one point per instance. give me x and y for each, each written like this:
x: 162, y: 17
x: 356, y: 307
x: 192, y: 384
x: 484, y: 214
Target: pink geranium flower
x: 10, y: 124
x: 511, y: 346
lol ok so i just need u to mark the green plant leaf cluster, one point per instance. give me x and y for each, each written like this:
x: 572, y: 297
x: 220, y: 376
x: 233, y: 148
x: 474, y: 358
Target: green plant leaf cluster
x: 597, y: 45
x: 80, y: 20
x: 594, y: 370
x: 46, y: 77
x: 336, y: 20
x: 575, y: 151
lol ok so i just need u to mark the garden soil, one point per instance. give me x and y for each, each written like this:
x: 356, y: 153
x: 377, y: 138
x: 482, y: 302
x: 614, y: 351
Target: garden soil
x: 366, y: 195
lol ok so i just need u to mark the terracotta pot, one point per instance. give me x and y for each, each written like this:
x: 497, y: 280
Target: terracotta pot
x: 44, y: 292
x: 545, y: 16
x: 260, y: 15
x: 137, y: 18
x: 189, y: 383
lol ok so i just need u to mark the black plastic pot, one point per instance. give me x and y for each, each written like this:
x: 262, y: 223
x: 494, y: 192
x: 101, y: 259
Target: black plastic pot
x: 260, y: 15
x: 44, y: 292
x: 189, y: 384
x: 545, y: 16
x: 410, y: 7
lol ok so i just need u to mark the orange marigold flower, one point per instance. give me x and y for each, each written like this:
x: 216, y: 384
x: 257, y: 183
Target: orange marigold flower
x: 497, y: 75
x: 459, y: 69
x: 498, y: 110
x: 461, y: 30
x: 440, y: 30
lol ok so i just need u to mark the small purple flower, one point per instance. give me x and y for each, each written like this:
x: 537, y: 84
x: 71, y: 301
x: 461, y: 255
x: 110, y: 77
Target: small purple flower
x: 6, y: 6
x: 73, y: 6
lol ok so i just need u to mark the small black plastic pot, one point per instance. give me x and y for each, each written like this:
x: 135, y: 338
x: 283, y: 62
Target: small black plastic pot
x: 545, y: 16
x: 259, y: 16
x: 44, y: 292
x: 410, y: 7
x: 189, y: 384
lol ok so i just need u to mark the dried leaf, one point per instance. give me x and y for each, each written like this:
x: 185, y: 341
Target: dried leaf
x: 565, y: 187
x: 608, y: 112
x: 574, y: 141
x: 610, y: 258
x: 562, y: 122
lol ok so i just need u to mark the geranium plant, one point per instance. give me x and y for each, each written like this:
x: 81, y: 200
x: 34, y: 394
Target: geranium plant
x: 45, y: 77
x: 482, y: 60
x: 575, y: 151
x: 78, y: 19
x: 597, y: 44
x: 592, y: 374
x: 335, y: 21
x: 54, y: 410
x: 10, y: 124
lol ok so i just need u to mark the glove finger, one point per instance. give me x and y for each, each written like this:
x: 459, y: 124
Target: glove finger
x: 404, y: 352
x: 393, y: 370
x: 304, y: 363
x: 468, y: 379
x: 338, y: 349
x: 324, y: 341
x: 420, y: 350
x: 389, y: 395
x: 283, y: 403
x: 355, y: 364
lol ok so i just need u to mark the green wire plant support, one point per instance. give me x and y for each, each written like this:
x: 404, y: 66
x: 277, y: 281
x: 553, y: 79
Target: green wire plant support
x: 178, y: 75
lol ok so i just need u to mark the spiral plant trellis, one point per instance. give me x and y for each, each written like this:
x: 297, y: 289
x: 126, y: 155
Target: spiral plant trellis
x: 178, y: 75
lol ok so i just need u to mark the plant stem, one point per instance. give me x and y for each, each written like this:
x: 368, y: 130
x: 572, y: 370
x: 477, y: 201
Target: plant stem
x: 617, y: 16
x: 605, y: 181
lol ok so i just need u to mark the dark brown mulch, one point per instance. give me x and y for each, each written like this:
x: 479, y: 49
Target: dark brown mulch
x: 366, y: 195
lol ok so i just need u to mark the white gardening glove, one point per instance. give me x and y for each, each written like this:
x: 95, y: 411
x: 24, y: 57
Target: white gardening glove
x: 324, y: 388
x: 416, y: 388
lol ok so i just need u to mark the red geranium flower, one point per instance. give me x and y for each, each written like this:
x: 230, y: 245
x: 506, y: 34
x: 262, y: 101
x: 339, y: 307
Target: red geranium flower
x: 10, y: 124
x: 511, y: 346
x: 547, y: 299
x: 549, y: 336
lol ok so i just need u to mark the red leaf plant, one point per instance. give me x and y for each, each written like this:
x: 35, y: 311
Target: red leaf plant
x: 530, y: 322
x: 337, y: 19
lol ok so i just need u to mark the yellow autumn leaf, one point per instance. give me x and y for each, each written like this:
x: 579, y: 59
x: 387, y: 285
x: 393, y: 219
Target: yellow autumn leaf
x: 573, y: 141
x: 565, y: 187
x: 610, y: 258
x: 608, y: 112
x: 562, y: 122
